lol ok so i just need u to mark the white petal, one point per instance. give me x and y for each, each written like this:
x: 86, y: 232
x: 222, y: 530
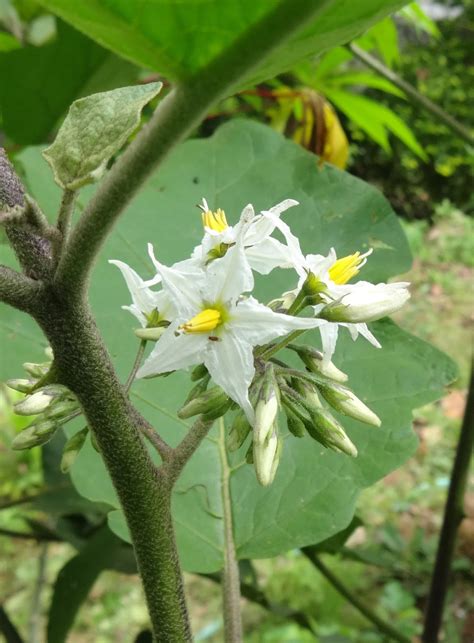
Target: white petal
x: 230, y: 363
x: 298, y: 259
x: 172, y: 352
x: 263, y: 225
x: 144, y: 299
x: 365, y: 332
x: 267, y: 255
x: 229, y: 277
x: 329, y: 334
x: 258, y: 324
x: 184, y: 288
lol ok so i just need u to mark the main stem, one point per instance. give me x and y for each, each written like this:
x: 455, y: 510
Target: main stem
x: 231, y: 576
x: 83, y: 364
x: 453, y: 515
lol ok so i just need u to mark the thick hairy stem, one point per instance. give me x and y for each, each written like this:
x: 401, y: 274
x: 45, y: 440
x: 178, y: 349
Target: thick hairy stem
x: 413, y: 94
x: 174, y: 119
x: 231, y: 575
x: 453, y: 515
x: 370, y: 615
x: 84, y: 365
x: 17, y: 290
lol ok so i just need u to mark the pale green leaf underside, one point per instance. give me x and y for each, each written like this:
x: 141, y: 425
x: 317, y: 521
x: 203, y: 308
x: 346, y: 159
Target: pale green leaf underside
x: 178, y: 39
x: 94, y: 129
x: 315, y: 490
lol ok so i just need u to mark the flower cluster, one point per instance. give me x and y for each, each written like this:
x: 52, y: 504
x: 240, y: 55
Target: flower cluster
x: 204, y: 315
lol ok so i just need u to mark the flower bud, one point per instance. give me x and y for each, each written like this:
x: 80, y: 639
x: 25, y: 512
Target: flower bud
x: 21, y: 385
x: 207, y: 403
x: 266, y: 458
x: 72, y: 448
x: 312, y: 289
x: 238, y: 432
x: 198, y: 372
x: 34, y: 435
x: 150, y: 334
x: 197, y: 389
x: 343, y: 400
x: 62, y: 409
x: 294, y: 424
x: 266, y: 408
x: 326, y: 430
x: 315, y: 362
x: 36, y: 370
x: 33, y: 404
x: 367, y: 302
x: 308, y: 392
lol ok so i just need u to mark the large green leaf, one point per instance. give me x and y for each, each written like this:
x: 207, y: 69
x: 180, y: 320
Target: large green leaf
x: 315, y: 490
x: 39, y: 83
x: 180, y: 38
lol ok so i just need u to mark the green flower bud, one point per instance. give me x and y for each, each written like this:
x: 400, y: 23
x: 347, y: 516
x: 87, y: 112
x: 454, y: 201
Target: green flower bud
x: 326, y: 430
x: 238, y: 432
x: 150, y: 334
x: 62, y: 409
x: 308, y: 392
x: 294, y: 424
x: 207, y: 403
x: 72, y: 448
x: 21, y: 385
x: 343, y: 400
x: 34, y: 435
x: 266, y: 409
x: 33, y: 404
x: 198, y: 372
x: 313, y: 360
x: 37, y: 370
x: 197, y: 389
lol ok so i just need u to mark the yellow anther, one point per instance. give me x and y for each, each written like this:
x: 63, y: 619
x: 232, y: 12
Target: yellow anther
x: 215, y: 220
x: 205, y: 321
x: 347, y: 267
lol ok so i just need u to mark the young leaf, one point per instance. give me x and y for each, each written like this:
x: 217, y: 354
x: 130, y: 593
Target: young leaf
x: 95, y: 129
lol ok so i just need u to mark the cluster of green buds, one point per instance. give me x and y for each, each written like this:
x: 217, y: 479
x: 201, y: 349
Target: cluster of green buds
x: 303, y: 396
x: 51, y: 404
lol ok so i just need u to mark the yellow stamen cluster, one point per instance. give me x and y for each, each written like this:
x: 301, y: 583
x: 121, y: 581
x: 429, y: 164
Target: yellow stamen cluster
x: 215, y: 220
x: 347, y: 267
x: 205, y: 321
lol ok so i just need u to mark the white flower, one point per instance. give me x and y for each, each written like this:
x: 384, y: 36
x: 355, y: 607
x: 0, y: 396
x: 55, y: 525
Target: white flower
x: 331, y: 272
x: 216, y: 326
x: 364, y: 301
x: 262, y: 251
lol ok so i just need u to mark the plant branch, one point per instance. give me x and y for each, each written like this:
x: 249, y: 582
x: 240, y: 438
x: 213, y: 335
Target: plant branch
x: 266, y: 353
x: 136, y: 365
x: 188, y: 445
x: 174, y: 119
x: 412, y: 94
x: 18, y: 290
x: 25, y: 535
x: 453, y: 515
x: 231, y: 575
x: 35, y: 614
x: 66, y: 210
x: 354, y: 600
x: 8, y: 629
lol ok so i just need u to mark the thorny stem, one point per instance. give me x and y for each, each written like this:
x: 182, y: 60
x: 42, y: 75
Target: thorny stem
x: 412, y: 94
x: 453, y: 515
x: 231, y: 576
x: 354, y: 600
x: 188, y: 445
